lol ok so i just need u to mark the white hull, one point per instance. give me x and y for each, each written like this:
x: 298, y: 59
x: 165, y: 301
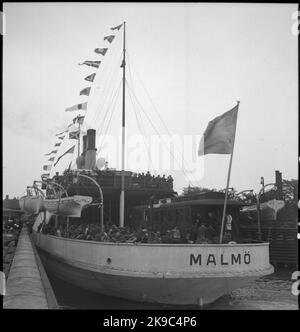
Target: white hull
x: 157, y: 273
x: 31, y: 204
x: 67, y: 206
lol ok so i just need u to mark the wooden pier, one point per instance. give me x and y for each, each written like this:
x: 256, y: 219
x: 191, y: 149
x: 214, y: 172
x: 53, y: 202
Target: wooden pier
x: 27, y: 285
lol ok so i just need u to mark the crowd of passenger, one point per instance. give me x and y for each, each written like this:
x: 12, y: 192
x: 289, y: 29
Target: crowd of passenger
x: 151, y: 180
x: 200, y: 232
x: 110, y: 178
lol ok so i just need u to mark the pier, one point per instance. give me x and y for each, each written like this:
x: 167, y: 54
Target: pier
x: 27, y: 285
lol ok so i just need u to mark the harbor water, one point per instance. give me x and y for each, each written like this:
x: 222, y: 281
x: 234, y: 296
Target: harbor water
x: 271, y: 292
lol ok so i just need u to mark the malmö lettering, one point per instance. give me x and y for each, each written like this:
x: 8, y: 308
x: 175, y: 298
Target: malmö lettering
x: 213, y: 259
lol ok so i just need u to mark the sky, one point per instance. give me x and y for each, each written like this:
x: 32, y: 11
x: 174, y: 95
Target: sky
x: 186, y: 64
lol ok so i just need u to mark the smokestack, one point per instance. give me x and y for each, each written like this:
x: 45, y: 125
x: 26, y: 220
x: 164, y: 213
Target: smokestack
x: 278, y: 180
x: 90, y: 157
x: 84, y: 139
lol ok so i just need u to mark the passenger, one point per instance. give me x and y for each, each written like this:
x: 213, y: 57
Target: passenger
x: 201, y: 233
x: 176, y: 233
x: 210, y: 233
x: 194, y: 231
x: 187, y: 238
x: 58, y: 231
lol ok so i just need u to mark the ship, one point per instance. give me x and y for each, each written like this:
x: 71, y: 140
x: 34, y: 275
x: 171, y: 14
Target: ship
x: 171, y: 272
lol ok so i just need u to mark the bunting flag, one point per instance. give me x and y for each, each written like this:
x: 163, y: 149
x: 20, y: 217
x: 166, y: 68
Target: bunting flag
x: 219, y: 135
x: 95, y: 64
x: 61, y: 133
x: 47, y: 167
x: 77, y: 107
x: 51, y: 159
x: 79, y: 119
x: 74, y: 135
x: 109, y: 38
x: 58, y: 144
x: 71, y: 150
x: 91, y: 77
x: 61, y: 137
x: 101, y: 51
x: 48, y: 154
x: 85, y: 91
x: 118, y: 27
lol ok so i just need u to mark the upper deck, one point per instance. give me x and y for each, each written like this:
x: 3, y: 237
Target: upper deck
x: 137, y: 186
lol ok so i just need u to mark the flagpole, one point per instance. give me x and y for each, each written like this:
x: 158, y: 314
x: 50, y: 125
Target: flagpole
x: 227, y: 186
x: 78, y: 135
x: 122, y: 195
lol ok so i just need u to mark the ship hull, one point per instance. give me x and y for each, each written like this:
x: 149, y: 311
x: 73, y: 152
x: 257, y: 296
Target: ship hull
x: 136, y: 277
x: 67, y: 206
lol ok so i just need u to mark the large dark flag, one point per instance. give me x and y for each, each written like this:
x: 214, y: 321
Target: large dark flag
x: 58, y: 144
x: 101, y: 51
x: 71, y: 150
x: 95, y: 64
x: 91, y: 77
x: 219, y: 135
x: 118, y: 27
x: 85, y: 91
x: 109, y: 38
x: 77, y: 107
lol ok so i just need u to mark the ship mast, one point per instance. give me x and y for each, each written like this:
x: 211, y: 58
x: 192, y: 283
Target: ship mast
x: 122, y: 195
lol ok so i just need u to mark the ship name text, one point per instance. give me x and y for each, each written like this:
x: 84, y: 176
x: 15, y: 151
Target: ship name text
x: 213, y: 259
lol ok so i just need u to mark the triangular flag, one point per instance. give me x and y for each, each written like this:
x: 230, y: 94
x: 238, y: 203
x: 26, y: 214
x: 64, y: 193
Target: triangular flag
x: 71, y: 150
x: 109, y: 38
x: 58, y: 144
x: 91, y: 77
x: 118, y: 27
x: 48, y: 154
x: 61, y: 133
x: 85, y: 91
x: 101, y: 51
x: 95, y: 64
x: 51, y: 159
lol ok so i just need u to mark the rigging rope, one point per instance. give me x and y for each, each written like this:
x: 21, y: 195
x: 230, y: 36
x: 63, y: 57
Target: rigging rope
x: 107, y: 93
x: 113, y: 110
x: 141, y: 132
x: 153, y: 126
x: 113, y: 101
